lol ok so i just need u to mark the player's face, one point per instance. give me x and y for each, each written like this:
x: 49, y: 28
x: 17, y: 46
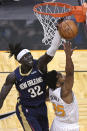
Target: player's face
x: 27, y: 60
x: 61, y: 79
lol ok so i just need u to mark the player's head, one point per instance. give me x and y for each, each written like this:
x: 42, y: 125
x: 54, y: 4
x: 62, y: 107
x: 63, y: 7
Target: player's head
x: 60, y: 79
x: 55, y: 79
x: 21, y: 54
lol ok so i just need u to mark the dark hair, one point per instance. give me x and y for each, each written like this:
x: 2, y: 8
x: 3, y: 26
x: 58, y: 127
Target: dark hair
x: 51, y: 79
x: 15, y: 49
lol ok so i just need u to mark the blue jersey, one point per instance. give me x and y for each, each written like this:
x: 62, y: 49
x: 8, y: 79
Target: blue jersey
x: 31, y: 88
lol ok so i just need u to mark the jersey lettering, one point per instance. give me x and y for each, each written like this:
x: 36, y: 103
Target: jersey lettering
x: 30, y: 83
x: 36, y: 91
x: 59, y: 110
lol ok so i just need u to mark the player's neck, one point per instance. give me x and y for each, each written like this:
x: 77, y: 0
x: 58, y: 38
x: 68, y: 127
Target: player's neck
x: 25, y: 70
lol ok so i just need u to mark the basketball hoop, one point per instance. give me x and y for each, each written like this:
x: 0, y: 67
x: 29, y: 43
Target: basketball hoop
x: 50, y: 12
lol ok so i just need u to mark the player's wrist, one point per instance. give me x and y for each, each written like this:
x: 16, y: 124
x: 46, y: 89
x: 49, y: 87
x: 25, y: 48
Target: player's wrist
x: 68, y: 55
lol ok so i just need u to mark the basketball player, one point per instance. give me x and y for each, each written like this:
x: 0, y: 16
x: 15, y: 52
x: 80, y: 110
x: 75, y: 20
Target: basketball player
x: 62, y: 96
x: 29, y: 80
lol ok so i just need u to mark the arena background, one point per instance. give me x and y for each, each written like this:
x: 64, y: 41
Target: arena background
x: 19, y: 24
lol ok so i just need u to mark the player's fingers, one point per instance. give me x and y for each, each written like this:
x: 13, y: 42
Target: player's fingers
x: 69, y: 44
x: 75, y: 48
x: 64, y: 46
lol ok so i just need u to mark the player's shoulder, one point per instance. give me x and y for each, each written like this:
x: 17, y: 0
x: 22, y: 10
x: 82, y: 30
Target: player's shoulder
x: 11, y: 78
x: 12, y: 74
x: 56, y: 92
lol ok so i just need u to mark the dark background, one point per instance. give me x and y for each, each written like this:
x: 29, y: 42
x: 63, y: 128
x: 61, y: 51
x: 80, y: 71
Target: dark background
x: 15, y: 27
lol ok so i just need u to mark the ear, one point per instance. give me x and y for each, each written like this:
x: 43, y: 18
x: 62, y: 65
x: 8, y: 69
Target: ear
x: 19, y: 61
x: 57, y: 84
x: 61, y: 80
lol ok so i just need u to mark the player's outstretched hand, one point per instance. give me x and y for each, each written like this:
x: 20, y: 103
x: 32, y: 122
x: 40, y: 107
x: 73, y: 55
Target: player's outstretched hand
x: 67, y: 48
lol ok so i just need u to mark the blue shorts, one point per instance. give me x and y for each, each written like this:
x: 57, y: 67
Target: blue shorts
x: 33, y: 118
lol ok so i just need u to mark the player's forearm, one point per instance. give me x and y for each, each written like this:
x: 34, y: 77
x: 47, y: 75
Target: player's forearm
x: 45, y: 59
x: 54, y: 45
x: 69, y: 65
x: 1, y: 100
x: 4, y: 92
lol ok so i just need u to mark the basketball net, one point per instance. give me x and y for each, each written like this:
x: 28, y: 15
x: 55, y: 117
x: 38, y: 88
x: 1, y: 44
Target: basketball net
x: 49, y: 22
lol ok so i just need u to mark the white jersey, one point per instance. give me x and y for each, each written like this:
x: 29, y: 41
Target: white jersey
x: 67, y: 113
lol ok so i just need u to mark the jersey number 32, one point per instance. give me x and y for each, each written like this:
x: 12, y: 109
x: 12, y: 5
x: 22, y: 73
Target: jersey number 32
x: 36, y: 91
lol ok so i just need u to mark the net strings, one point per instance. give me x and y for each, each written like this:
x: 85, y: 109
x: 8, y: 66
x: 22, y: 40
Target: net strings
x: 49, y: 23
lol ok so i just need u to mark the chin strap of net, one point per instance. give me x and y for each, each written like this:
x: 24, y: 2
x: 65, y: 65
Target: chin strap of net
x: 49, y: 22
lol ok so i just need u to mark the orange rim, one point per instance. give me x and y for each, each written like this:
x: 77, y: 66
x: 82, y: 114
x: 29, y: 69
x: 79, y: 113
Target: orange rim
x: 54, y: 4
x: 79, y: 12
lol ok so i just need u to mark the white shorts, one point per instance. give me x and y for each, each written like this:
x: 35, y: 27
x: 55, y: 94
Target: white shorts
x: 60, y: 126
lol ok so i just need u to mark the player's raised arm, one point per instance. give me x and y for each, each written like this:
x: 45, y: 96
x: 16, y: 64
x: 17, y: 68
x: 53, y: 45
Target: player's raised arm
x: 69, y: 64
x: 69, y: 68
x: 47, y: 57
x: 10, y: 80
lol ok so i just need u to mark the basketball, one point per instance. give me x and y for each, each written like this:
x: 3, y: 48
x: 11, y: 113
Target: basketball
x: 68, y: 29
